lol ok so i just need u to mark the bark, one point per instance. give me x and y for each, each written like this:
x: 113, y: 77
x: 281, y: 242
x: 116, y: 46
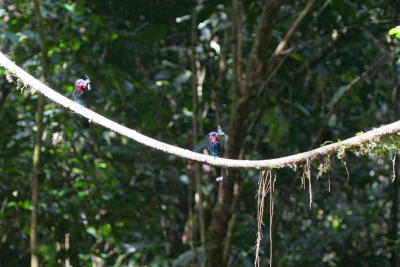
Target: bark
x: 254, y: 78
x: 35, y: 184
x: 195, y: 127
x: 36, y: 160
x: 245, y: 90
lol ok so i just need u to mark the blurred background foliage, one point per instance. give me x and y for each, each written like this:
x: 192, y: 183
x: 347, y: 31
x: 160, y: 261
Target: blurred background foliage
x: 107, y: 201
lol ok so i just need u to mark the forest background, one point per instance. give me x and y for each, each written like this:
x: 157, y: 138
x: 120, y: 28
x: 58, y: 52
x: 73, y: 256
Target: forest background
x: 280, y: 77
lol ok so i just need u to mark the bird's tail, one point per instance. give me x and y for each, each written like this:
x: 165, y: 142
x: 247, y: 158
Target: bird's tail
x: 219, y: 175
x: 85, y: 123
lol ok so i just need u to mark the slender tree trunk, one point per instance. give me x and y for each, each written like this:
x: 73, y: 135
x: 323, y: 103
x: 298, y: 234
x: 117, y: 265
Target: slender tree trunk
x: 195, y: 125
x: 36, y: 166
x: 238, y: 67
x: 35, y: 184
x: 241, y: 108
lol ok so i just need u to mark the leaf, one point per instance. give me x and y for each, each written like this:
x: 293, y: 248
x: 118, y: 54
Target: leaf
x: 297, y: 57
x: 114, y: 36
x: 75, y: 44
x: 302, y: 109
x: 151, y: 34
x: 277, y: 124
x: 105, y: 230
x: 395, y: 31
x: 91, y: 230
x: 69, y: 7
x: 188, y: 257
x: 338, y: 95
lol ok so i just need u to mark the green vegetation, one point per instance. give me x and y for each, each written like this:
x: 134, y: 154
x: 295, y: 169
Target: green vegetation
x: 175, y: 70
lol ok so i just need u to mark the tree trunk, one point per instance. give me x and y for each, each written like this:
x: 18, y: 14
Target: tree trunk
x: 195, y: 126
x: 242, y: 107
x: 35, y: 183
x: 36, y: 166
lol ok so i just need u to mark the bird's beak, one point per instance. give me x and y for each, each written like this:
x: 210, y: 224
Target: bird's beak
x: 221, y: 134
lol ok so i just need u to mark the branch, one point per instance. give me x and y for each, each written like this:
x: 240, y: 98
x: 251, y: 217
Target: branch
x: 340, y: 94
x: 260, y: 45
x: 268, y: 16
x: 347, y: 144
x: 293, y: 28
x: 249, y: 86
x: 274, y: 63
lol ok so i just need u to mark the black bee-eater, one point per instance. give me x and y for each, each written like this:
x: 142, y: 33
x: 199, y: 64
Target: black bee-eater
x: 81, y: 88
x: 214, y: 148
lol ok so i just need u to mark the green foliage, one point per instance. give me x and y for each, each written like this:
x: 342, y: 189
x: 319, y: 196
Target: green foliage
x: 277, y: 124
x: 395, y: 31
x: 126, y: 205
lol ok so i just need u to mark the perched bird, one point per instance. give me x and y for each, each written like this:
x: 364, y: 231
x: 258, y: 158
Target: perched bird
x: 214, y: 148
x: 80, y: 91
x: 81, y: 88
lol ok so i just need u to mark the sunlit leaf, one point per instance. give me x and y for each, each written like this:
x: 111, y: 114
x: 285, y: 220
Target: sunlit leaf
x: 277, y: 125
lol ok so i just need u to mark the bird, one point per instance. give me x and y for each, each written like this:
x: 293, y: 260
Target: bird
x: 80, y: 91
x: 80, y: 95
x: 214, y: 148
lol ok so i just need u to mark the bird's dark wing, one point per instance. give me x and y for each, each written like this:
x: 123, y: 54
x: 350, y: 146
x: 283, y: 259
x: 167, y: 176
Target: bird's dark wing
x: 80, y: 97
x: 215, y: 149
x: 221, y: 150
x: 209, y: 148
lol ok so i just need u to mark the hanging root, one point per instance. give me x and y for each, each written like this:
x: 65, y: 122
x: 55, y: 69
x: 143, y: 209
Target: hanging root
x: 394, y: 165
x: 329, y: 183
x: 271, y: 215
x: 303, y: 177
x: 340, y: 155
x: 347, y: 170
x: 324, y: 166
x: 262, y: 189
x: 266, y: 184
x: 307, y: 175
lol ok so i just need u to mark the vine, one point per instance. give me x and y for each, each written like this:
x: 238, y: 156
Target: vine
x: 366, y: 141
